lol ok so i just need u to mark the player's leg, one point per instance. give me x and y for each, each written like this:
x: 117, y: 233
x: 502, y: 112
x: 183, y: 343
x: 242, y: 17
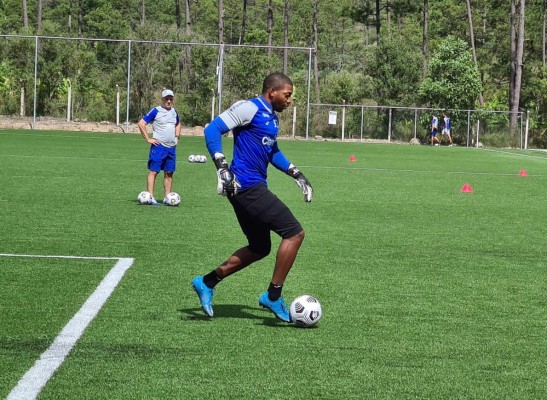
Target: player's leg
x: 258, y: 236
x: 167, y: 183
x: 169, y: 165
x: 286, y: 254
x: 280, y: 219
x: 154, y: 167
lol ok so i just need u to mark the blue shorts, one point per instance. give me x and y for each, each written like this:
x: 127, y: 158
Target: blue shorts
x: 434, y: 132
x: 162, y: 158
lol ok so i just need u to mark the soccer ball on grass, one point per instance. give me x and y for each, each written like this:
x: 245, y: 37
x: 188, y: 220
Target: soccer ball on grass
x: 305, y: 311
x: 172, y: 199
x: 144, y: 197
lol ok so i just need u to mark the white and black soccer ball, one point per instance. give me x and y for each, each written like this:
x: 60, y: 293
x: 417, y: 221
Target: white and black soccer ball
x: 191, y: 158
x: 202, y: 159
x: 305, y: 311
x: 144, y: 197
x: 173, y: 199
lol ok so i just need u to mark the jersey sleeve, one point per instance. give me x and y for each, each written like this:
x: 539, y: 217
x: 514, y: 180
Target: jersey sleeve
x: 151, y: 115
x: 213, y: 135
x: 239, y: 114
x: 279, y: 160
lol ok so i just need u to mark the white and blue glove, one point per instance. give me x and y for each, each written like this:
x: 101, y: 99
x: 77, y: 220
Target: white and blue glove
x: 302, y: 182
x: 227, y: 184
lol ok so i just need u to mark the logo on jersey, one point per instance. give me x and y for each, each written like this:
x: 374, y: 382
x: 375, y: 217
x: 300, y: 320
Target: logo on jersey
x: 268, y: 141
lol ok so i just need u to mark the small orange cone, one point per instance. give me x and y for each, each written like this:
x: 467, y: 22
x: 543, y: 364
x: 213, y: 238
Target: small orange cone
x: 523, y: 172
x: 467, y: 188
x: 352, y: 158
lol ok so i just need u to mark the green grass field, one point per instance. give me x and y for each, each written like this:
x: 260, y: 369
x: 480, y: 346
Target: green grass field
x: 427, y: 292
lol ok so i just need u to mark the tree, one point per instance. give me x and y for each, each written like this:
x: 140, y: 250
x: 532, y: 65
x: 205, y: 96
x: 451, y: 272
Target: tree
x: 285, y: 35
x: 453, y: 81
x: 270, y: 25
x: 314, y: 45
x: 38, y: 16
x: 517, y: 55
x: 25, y: 14
x: 220, y: 21
x: 472, y: 41
x: 243, y: 23
x: 425, y: 38
x: 187, y: 19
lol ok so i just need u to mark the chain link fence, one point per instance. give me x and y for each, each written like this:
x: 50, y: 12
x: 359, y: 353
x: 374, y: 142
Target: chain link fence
x: 402, y: 124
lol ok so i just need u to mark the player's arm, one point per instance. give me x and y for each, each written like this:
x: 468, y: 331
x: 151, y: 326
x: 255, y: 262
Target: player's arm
x: 145, y: 121
x: 281, y: 162
x: 239, y: 114
x: 178, y: 129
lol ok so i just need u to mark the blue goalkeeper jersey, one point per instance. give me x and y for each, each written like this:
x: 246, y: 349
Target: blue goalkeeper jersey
x: 255, y: 126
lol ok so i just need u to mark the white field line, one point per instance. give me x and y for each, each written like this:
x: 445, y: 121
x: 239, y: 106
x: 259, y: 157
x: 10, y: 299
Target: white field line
x: 516, y: 154
x: 30, y: 385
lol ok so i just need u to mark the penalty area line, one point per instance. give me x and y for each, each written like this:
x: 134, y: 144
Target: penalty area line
x: 34, y: 380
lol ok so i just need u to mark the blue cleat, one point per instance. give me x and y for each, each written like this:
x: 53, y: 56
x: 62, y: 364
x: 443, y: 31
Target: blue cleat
x: 278, y: 307
x: 153, y: 202
x: 205, y: 294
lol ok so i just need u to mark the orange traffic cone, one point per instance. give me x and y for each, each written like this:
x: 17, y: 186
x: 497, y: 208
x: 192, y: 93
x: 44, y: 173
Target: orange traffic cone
x: 352, y: 158
x: 523, y: 172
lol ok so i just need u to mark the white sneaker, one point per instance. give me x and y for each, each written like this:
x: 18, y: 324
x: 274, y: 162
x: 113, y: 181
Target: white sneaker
x: 153, y: 202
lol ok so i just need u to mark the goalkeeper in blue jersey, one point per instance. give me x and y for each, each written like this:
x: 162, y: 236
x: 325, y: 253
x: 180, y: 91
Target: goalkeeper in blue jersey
x: 255, y: 125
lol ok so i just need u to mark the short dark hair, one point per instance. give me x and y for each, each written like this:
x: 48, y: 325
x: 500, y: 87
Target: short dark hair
x: 275, y: 81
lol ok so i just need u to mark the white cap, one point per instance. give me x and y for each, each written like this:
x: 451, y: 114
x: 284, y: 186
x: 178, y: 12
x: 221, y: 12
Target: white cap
x: 167, y: 92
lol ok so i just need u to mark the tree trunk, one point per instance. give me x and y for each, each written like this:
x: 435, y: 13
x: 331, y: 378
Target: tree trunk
x: 69, y: 22
x: 220, y: 21
x: 388, y: 20
x: 315, y: 42
x: 25, y: 14
x: 177, y: 16
x: 378, y: 22
x: 188, y: 20
x: 425, y: 39
x: 80, y: 17
x: 38, y: 16
x: 472, y: 40
x: 286, y: 36
x: 517, y: 56
x: 543, y: 33
x: 243, y: 23
x: 270, y: 26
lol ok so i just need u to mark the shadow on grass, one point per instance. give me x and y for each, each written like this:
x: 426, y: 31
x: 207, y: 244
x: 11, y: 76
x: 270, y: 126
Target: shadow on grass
x: 232, y: 311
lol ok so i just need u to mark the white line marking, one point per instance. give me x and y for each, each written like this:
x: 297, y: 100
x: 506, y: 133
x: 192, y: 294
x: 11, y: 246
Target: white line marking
x: 30, y: 385
x: 515, y: 154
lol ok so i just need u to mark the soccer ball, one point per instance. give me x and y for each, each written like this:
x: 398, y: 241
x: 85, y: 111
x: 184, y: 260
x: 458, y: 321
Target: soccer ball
x: 305, y: 311
x: 173, y: 199
x: 201, y: 159
x: 144, y: 197
x: 191, y: 158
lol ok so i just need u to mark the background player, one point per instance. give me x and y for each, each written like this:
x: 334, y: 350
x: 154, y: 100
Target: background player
x: 165, y: 135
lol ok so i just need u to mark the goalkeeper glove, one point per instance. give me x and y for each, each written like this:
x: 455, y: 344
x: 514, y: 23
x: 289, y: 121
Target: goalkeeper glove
x: 302, y: 182
x: 227, y: 184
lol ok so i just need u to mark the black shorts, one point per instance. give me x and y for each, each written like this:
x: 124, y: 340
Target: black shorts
x: 259, y: 212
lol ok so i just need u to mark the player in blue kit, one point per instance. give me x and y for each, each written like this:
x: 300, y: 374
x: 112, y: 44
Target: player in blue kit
x: 447, y: 128
x: 165, y: 136
x: 434, y: 130
x: 255, y: 125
